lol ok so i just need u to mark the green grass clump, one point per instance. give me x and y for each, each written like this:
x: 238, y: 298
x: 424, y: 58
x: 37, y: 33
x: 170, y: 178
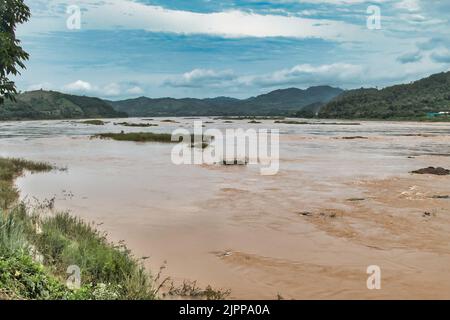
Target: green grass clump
x: 137, y: 136
x: 149, y: 137
x: 94, y: 122
x: 22, y: 278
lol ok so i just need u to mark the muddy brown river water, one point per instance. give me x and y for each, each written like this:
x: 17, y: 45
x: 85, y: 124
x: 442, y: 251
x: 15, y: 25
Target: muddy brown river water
x: 336, y: 206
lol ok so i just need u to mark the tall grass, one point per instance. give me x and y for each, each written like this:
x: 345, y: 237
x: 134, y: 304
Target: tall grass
x: 66, y: 240
x: 12, y: 235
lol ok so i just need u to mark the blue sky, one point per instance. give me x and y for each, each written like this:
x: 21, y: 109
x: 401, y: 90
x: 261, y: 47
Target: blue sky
x: 207, y: 48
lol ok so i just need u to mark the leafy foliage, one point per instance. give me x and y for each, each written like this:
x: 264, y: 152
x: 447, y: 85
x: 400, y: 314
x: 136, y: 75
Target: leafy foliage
x: 12, y: 55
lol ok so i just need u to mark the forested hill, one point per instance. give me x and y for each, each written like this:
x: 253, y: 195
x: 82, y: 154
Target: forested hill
x: 407, y: 101
x: 40, y: 104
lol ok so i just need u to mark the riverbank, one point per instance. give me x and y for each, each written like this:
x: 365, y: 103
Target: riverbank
x: 37, y: 246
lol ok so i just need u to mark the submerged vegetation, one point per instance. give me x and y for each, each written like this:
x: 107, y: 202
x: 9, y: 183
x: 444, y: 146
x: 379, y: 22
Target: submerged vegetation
x: 150, y: 137
x: 94, y: 122
x: 129, y: 124
x: 318, y: 123
x: 291, y: 122
x: 137, y: 137
x: 9, y: 170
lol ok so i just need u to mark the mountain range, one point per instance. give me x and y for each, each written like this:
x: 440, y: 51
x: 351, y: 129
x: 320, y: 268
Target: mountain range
x: 412, y: 101
x: 275, y: 103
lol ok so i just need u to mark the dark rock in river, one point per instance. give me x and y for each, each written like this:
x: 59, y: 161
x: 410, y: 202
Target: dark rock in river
x: 432, y: 170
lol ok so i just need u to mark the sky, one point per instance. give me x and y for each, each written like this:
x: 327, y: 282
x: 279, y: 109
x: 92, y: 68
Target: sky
x: 120, y: 49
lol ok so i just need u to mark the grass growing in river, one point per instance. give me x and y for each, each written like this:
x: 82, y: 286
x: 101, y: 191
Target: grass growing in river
x: 318, y: 123
x: 137, y: 136
x: 150, y: 137
x: 142, y: 125
x: 9, y: 170
x: 94, y: 122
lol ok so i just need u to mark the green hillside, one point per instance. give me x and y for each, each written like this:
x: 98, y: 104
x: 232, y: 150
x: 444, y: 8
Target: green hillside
x: 41, y: 104
x: 414, y: 101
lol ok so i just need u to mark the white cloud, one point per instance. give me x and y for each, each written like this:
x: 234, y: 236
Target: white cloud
x: 201, y: 78
x: 135, y: 90
x: 83, y: 87
x: 127, y: 14
x: 307, y: 75
x: 409, y: 5
x: 79, y: 86
x: 112, y: 89
x: 336, y: 2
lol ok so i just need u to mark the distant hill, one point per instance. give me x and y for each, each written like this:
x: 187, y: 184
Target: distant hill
x: 42, y: 104
x: 279, y: 102
x: 407, y: 101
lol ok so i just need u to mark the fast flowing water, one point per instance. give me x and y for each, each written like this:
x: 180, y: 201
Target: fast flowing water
x: 336, y: 206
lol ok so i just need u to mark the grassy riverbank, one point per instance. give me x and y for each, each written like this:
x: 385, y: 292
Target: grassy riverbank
x: 36, y: 249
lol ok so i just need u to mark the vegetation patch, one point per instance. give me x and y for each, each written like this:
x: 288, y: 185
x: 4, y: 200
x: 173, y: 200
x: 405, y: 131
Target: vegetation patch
x: 251, y: 118
x: 141, y: 125
x: 318, y: 123
x: 94, y: 122
x: 137, y: 137
x: 151, y: 137
x: 425, y: 100
x: 291, y: 122
x: 11, y: 169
